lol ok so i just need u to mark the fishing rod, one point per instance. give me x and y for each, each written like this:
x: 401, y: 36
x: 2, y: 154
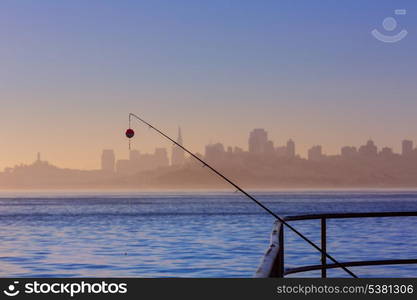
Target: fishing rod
x: 130, y: 133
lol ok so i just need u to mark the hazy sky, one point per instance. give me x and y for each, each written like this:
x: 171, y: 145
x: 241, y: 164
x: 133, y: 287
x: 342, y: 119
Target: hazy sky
x: 71, y: 71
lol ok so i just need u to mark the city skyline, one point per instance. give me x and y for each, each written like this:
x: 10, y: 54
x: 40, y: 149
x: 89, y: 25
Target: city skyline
x: 261, y: 165
x: 258, y: 142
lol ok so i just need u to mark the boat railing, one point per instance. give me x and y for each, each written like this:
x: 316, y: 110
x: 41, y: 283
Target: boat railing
x: 272, y: 264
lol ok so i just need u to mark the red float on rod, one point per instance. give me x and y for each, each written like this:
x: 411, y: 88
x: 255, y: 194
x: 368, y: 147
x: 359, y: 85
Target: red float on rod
x: 130, y: 133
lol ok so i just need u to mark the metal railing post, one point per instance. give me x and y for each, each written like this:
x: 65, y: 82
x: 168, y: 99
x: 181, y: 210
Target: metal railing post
x: 273, y: 262
x: 324, y: 248
x: 281, y: 268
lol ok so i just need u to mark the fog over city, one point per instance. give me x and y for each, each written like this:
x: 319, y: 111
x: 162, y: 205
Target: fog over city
x: 263, y: 164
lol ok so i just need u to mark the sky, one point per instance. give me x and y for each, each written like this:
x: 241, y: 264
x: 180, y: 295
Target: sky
x: 71, y: 71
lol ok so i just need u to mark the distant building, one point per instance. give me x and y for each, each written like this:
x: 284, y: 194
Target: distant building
x: 386, y: 152
x: 368, y: 150
x: 237, y: 150
x: 290, y: 148
x: 39, y: 162
x: 281, y: 151
x: 314, y: 153
x: 138, y: 162
x: 348, y: 152
x: 123, y: 167
x: 178, y: 155
x: 407, y: 147
x: 134, y: 161
x: 214, y: 152
x: 161, y: 158
x: 258, y: 139
x: 134, y: 156
x: 108, y: 160
x: 147, y: 162
x: 269, y: 147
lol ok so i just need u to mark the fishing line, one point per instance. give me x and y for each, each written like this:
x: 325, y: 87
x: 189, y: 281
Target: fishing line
x: 130, y: 134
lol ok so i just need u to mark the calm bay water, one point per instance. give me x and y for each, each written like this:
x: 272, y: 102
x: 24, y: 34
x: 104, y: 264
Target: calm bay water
x: 193, y: 234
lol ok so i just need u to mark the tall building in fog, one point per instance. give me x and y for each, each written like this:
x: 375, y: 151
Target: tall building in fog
x: 258, y: 141
x: 368, y: 150
x: 290, y: 148
x: 108, y: 160
x: 214, y: 152
x: 123, y: 166
x: 281, y: 151
x: 39, y: 162
x: 407, y: 147
x: 314, y: 153
x: 269, y: 147
x: 161, y: 158
x: 386, y: 153
x: 348, y: 152
x: 178, y: 155
x: 134, y: 164
x: 134, y: 156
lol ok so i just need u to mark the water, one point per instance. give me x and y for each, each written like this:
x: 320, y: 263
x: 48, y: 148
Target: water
x: 193, y: 234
